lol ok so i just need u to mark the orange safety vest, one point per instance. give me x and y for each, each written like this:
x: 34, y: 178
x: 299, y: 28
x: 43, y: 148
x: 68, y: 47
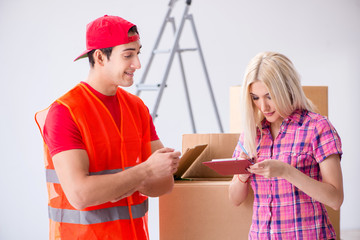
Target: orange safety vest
x: 110, y: 150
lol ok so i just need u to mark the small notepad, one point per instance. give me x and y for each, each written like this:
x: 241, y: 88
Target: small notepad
x: 229, y: 166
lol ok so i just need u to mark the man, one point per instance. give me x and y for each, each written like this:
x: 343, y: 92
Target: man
x: 102, y: 155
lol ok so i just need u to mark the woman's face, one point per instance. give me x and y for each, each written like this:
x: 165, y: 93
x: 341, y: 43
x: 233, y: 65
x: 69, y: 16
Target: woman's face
x: 261, y: 98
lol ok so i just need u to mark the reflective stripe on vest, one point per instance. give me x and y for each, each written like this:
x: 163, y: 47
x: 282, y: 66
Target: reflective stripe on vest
x: 51, y: 176
x: 98, y: 215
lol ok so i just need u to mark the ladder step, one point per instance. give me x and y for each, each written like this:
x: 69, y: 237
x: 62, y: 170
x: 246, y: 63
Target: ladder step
x: 148, y: 87
x: 179, y: 50
x: 187, y: 49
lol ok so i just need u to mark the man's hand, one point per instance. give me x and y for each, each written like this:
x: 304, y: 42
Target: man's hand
x: 163, y: 162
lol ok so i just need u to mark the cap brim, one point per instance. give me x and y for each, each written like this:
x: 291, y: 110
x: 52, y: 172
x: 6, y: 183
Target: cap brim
x: 83, y: 55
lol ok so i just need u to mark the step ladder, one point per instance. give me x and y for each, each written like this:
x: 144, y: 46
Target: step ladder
x: 141, y: 86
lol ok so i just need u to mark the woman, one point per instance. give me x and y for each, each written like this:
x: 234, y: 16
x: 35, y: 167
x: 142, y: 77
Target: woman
x: 296, y: 155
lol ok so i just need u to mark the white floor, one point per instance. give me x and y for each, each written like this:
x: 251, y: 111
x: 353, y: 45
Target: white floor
x: 350, y: 234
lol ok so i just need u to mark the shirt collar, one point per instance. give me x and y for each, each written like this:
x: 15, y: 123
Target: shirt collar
x: 297, y: 116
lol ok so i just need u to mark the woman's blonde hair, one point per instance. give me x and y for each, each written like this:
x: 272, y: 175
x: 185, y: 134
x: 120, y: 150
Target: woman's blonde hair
x: 278, y: 74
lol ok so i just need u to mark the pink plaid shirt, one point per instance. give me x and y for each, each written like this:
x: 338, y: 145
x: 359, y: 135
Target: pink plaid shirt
x: 281, y: 210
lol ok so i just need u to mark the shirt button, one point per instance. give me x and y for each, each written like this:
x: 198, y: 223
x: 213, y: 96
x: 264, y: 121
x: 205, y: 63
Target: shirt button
x: 269, y: 196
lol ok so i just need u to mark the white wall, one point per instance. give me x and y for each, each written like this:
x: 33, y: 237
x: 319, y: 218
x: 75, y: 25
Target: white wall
x: 39, y: 39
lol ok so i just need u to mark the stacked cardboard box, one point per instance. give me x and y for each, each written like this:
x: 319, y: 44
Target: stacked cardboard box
x: 200, y: 208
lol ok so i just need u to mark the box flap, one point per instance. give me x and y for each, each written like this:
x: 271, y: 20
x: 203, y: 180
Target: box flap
x: 188, y: 158
x: 220, y: 145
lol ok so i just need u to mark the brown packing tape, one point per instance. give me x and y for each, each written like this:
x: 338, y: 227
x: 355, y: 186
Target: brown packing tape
x: 220, y: 145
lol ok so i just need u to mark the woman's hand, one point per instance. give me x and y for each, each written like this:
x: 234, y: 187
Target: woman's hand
x: 270, y: 168
x: 328, y: 191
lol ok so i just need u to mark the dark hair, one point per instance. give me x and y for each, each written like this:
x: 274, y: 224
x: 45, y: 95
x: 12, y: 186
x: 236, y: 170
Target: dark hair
x: 133, y: 29
x: 107, y: 51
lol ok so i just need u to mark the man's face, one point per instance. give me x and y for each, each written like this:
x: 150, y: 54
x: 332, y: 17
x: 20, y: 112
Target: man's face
x: 122, y: 64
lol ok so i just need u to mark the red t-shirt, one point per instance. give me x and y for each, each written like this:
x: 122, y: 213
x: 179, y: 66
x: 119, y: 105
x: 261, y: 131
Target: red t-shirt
x: 61, y: 133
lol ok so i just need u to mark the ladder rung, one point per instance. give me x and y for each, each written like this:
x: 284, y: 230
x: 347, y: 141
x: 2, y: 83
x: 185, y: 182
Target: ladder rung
x: 187, y: 49
x: 179, y: 50
x: 148, y: 87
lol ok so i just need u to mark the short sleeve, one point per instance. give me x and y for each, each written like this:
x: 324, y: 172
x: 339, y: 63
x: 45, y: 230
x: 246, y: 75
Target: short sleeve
x: 153, y: 133
x: 326, y: 140
x: 60, y: 131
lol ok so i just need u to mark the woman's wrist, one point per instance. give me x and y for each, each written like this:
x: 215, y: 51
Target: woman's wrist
x: 242, y: 179
x: 286, y: 172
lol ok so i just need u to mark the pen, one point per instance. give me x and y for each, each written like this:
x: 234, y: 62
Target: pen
x: 242, y: 148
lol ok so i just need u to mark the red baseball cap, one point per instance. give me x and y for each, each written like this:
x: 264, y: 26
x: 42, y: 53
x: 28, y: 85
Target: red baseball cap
x: 107, y: 31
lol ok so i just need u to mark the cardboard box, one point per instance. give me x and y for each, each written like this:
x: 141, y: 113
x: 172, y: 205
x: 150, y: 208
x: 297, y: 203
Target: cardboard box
x: 199, y: 148
x: 201, y: 210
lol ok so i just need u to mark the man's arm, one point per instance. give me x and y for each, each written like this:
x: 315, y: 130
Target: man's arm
x: 84, y: 190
